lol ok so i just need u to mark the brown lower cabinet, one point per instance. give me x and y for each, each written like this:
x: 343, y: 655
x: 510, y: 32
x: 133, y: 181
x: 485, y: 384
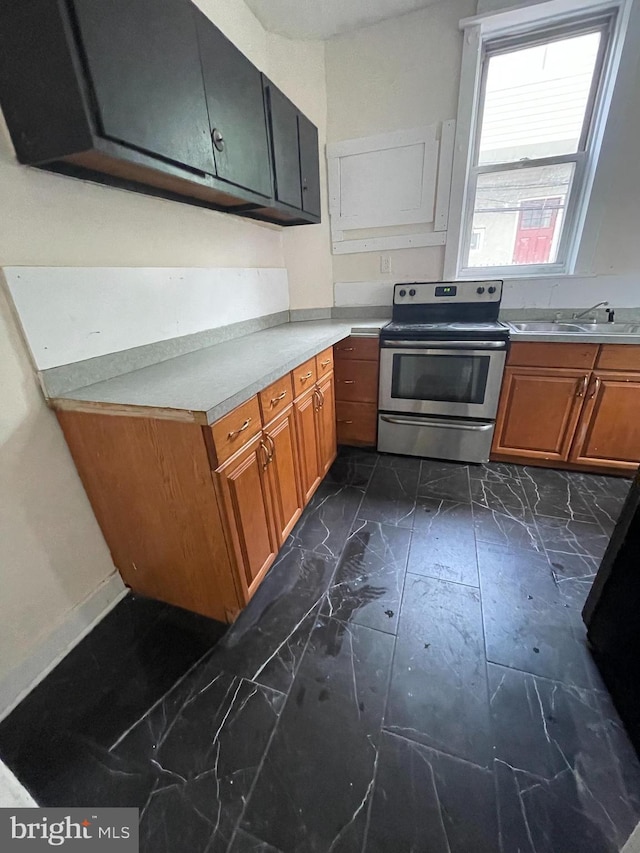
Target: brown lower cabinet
x: 357, y: 361
x: 608, y: 434
x: 244, y: 488
x: 580, y: 417
x: 538, y: 413
x: 195, y: 515
x: 316, y: 425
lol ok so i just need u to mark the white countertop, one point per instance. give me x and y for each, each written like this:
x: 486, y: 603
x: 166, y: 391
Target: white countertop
x: 216, y: 379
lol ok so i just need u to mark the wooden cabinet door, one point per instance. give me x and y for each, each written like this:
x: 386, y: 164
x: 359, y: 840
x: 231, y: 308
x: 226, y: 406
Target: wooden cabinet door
x: 283, y: 472
x: 283, y: 121
x: 308, y: 442
x: 244, y: 486
x: 143, y: 62
x: 609, y: 430
x: 309, y: 165
x: 326, y: 417
x: 235, y: 100
x: 538, y: 412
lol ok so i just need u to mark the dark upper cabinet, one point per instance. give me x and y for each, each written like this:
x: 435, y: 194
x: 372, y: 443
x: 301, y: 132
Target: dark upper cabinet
x: 294, y: 157
x: 233, y: 88
x: 283, y: 119
x: 143, y: 63
x: 148, y: 95
x: 309, y: 165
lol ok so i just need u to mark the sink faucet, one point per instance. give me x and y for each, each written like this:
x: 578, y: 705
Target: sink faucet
x: 588, y: 310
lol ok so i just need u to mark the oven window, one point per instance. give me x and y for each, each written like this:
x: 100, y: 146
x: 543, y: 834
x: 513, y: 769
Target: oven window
x: 440, y: 378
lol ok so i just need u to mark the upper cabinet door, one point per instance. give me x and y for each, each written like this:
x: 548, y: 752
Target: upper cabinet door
x: 286, y: 152
x: 143, y: 61
x: 309, y: 165
x: 233, y: 87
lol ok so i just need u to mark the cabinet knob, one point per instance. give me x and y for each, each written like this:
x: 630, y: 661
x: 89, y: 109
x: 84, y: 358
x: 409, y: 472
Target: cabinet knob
x: 218, y: 139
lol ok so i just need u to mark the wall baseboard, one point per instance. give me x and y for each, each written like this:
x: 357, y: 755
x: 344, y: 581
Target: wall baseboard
x: 67, y: 634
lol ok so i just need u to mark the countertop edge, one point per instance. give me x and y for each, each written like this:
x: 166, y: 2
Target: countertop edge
x: 220, y: 409
x: 568, y: 338
x: 204, y: 415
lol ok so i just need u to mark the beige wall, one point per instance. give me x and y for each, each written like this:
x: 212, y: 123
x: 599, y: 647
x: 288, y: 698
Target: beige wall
x: 52, y: 554
x: 405, y: 72
x: 307, y: 250
x: 395, y: 75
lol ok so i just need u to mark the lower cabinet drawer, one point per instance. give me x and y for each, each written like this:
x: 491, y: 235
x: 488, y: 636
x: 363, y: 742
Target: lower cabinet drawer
x: 367, y: 349
x: 619, y: 357
x: 356, y: 381
x: 234, y: 430
x: 357, y: 423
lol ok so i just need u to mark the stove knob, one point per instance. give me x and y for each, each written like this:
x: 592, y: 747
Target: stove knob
x: 492, y: 289
x: 480, y: 290
x: 403, y: 293
x: 412, y: 292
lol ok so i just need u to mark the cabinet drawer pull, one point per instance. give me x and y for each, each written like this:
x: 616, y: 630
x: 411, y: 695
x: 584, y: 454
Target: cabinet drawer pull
x: 342, y: 421
x: 272, y: 445
x: 306, y: 376
x: 346, y: 349
x: 325, y: 363
x: 266, y: 454
x: 596, y: 388
x: 278, y: 398
x: 236, y: 432
x: 348, y: 381
x: 582, y: 387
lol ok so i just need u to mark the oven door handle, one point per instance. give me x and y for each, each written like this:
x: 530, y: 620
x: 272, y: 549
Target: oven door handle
x: 446, y: 344
x: 466, y: 425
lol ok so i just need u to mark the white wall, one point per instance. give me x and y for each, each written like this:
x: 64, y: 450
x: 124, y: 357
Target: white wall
x: 395, y: 75
x: 405, y: 72
x: 306, y: 250
x: 52, y: 554
x: 72, y: 313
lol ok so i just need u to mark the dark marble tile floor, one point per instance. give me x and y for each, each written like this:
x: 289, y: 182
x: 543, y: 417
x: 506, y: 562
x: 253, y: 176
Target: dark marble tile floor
x: 412, y: 675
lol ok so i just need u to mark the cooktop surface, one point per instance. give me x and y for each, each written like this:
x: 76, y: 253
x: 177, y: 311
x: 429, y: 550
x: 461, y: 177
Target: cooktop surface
x: 491, y: 330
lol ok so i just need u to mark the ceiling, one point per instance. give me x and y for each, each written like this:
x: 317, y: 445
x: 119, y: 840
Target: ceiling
x: 321, y: 19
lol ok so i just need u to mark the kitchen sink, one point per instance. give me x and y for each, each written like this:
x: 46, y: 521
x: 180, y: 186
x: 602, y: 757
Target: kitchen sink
x: 547, y: 327
x: 577, y: 328
x: 611, y: 328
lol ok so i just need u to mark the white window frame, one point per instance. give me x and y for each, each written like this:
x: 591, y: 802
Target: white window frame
x: 499, y: 32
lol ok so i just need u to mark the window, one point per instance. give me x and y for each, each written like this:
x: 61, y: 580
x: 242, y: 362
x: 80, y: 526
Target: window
x: 532, y: 148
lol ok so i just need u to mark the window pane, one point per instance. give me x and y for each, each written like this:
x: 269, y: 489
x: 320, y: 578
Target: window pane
x: 536, y: 98
x: 519, y: 214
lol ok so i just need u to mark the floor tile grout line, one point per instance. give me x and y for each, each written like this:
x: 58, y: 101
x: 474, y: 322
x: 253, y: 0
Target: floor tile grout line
x: 295, y: 673
x: 165, y: 695
x: 491, y: 768
x: 443, y: 580
x: 275, y: 728
x: 570, y: 685
x: 451, y: 755
x: 365, y: 837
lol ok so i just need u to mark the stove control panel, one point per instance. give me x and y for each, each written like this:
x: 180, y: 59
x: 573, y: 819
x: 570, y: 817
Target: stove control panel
x: 432, y: 292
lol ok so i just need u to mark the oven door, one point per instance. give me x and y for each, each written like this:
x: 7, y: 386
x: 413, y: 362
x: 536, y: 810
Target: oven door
x: 454, y: 378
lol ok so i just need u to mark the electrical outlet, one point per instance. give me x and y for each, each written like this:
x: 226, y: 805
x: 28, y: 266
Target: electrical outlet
x: 385, y: 263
